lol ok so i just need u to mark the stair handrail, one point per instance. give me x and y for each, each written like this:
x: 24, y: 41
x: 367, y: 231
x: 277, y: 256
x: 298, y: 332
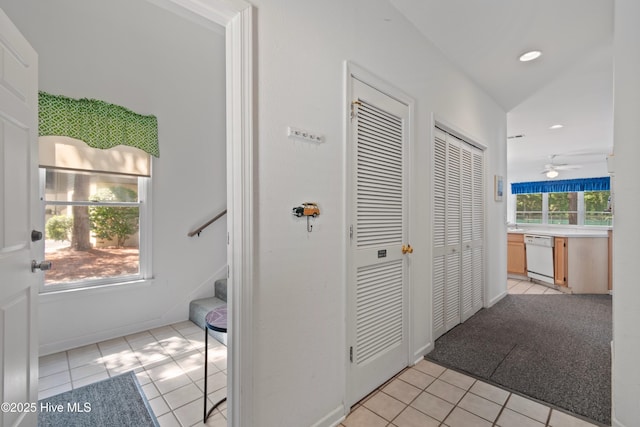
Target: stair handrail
x: 206, y: 224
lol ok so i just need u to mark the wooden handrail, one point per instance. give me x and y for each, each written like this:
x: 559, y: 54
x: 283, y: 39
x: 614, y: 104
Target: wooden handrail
x: 206, y: 224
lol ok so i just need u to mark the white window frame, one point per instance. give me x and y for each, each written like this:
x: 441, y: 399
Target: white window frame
x: 145, y: 267
x: 545, y: 212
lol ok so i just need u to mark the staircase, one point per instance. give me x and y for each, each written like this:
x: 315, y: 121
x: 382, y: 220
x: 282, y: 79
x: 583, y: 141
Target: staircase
x: 199, y: 308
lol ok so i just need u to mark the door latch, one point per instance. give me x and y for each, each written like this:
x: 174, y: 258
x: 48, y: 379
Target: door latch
x: 43, y: 266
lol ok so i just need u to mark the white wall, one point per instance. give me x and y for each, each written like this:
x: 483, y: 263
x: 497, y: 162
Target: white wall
x: 299, y: 350
x: 626, y: 315
x: 137, y: 55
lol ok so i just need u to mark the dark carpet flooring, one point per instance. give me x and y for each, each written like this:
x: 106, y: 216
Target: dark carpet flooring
x: 554, y: 348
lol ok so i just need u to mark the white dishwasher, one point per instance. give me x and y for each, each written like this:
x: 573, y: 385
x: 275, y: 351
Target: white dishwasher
x: 539, y: 257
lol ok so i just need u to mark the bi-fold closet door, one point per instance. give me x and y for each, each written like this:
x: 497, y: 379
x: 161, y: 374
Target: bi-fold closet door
x: 458, y: 231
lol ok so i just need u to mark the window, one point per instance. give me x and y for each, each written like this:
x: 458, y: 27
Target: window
x: 529, y: 208
x: 95, y: 169
x: 589, y: 208
x: 563, y: 208
x: 597, y: 208
x: 95, y: 225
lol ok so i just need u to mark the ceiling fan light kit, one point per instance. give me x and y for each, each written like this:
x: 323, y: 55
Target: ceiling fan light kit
x: 530, y: 56
x: 551, y: 169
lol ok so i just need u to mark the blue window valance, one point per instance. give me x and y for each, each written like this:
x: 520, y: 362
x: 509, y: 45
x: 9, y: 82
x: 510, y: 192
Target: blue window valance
x: 562, y: 185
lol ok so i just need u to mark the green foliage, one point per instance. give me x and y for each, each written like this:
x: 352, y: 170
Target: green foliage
x: 114, y: 222
x: 529, y: 202
x: 596, y: 201
x: 59, y: 227
x: 559, y: 202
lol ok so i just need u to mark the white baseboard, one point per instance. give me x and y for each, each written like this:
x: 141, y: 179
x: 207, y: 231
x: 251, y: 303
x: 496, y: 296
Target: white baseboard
x: 332, y: 419
x: 497, y: 298
x: 178, y: 312
x: 419, y: 354
x: 93, y: 338
x: 615, y: 422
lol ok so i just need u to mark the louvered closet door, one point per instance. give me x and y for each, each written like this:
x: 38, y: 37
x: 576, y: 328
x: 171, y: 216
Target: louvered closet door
x: 453, y: 254
x: 378, y: 289
x: 472, y: 206
x: 447, y: 227
x: 478, y: 229
x: 439, y: 231
x: 466, y: 207
x: 458, y: 231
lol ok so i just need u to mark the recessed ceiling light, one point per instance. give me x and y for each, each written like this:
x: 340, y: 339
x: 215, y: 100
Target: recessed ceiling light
x: 558, y: 126
x: 530, y: 56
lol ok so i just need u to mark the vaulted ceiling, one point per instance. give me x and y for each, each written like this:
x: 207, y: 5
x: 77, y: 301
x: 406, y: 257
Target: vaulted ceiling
x: 570, y: 84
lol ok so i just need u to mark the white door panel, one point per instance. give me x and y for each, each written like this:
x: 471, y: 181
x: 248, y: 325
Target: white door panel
x: 18, y: 192
x: 458, y: 231
x: 378, y: 295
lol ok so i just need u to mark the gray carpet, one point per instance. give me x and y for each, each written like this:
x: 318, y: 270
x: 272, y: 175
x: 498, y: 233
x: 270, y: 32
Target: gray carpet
x: 554, y: 348
x: 114, y: 402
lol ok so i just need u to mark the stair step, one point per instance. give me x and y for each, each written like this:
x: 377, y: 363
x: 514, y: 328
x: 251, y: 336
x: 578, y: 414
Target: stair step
x: 199, y: 308
x: 220, y: 289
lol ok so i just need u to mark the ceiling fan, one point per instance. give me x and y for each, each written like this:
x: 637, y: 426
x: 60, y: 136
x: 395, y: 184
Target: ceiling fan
x: 551, y: 169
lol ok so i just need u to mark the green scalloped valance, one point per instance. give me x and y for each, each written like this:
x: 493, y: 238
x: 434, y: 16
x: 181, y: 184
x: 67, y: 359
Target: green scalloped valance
x: 97, y: 123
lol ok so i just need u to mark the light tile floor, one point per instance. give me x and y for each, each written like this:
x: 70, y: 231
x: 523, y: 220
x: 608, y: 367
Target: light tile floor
x: 428, y: 395
x: 517, y: 286
x: 169, y: 364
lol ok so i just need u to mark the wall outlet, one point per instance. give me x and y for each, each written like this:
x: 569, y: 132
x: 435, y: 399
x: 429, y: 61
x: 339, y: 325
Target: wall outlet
x: 304, y: 134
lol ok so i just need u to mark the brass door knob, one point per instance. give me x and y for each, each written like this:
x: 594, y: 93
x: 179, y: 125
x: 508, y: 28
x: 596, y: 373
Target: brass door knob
x: 407, y: 249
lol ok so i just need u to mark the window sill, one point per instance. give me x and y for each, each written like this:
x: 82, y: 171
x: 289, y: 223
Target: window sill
x: 53, y: 295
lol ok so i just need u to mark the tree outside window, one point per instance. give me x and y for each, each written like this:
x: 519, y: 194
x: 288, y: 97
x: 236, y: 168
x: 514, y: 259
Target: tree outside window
x: 93, y: 223
x: 597, y: 208
x: 589, y: 208
x: 529, y: 208
x: 563, y: 208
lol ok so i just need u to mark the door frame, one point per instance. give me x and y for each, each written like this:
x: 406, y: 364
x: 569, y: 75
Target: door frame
x: 353, y: 70
x: 237, y: 17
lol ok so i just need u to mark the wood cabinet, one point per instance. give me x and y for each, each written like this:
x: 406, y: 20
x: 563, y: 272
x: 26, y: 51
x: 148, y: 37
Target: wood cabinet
x: 516, y: 254
x: 560, y: 260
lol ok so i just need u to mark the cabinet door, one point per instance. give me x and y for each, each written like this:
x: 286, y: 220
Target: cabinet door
x: 560, y: 260
x: 516, y: 254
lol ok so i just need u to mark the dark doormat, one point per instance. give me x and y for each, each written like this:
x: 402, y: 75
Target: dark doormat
x: 554, y: 348
x: 117, y: 401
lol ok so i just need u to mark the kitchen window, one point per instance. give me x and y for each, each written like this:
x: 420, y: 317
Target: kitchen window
x: 597, y: 208
x: 563, y: 208
x: 529, y: 208
x: 583, y: 208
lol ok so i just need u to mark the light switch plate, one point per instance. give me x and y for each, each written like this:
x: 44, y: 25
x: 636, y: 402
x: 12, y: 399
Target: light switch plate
x: 304, y: 134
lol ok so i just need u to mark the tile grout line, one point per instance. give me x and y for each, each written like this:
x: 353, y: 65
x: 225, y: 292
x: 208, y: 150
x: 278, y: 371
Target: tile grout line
x: 504, y: 405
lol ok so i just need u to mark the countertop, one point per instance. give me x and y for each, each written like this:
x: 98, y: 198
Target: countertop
x: 560, y: 232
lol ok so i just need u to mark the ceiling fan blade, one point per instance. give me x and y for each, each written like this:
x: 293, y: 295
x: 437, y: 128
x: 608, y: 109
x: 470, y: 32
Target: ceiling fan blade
x: 567, y: 167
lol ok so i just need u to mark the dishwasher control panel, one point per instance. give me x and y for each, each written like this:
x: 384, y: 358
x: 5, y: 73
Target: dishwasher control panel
x: 536, y: 240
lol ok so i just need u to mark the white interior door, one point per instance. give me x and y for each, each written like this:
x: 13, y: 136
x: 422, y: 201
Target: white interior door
x: 472, y: 209
x: 18, y: 193
x: 458, y: 231
x: 378, y: 295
